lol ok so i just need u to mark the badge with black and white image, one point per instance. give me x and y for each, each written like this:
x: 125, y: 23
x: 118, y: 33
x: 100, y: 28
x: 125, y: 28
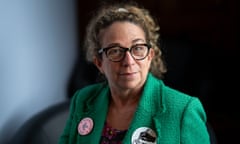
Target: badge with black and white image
x: 144, y: 135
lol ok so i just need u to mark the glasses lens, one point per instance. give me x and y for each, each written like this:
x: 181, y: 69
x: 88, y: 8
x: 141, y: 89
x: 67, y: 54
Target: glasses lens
x: 115, y: 53
x: 139, y: 51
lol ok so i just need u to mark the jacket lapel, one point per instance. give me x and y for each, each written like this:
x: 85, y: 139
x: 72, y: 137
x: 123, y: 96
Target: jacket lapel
x: 150, y: 105
x: 97, y: 111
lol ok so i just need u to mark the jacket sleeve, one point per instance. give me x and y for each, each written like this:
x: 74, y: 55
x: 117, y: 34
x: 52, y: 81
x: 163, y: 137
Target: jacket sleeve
x: 193, y: 124
x: 65, y: 137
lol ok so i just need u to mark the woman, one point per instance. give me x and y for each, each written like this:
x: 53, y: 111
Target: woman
x: 133, y: 105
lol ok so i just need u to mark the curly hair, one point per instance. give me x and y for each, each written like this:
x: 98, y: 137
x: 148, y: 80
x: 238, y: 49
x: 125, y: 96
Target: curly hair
x: 131, y: 12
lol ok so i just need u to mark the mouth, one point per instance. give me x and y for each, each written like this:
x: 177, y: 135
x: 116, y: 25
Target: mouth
x: 127, y: 73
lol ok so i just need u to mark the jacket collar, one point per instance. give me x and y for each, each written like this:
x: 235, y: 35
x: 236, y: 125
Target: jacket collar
x: 151, y: 100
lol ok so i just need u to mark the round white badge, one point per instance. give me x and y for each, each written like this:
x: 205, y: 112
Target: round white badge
x: 144, y: 135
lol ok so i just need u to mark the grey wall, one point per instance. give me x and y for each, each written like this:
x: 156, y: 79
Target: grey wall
x: 37, y: 53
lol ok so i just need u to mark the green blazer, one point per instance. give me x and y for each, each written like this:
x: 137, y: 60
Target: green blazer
x: 175, y: 117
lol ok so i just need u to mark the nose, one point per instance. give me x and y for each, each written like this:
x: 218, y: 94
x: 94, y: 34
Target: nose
x: 128, y: 59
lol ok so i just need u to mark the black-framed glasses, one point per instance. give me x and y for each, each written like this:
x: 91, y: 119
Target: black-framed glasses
x: 117, y: 53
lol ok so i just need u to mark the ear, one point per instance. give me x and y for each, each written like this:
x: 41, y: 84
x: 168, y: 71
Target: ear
x: 151, y: 54
x: 98, y: 64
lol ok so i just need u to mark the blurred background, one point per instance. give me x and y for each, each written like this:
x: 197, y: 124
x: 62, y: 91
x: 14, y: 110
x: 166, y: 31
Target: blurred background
x: 42, y: 62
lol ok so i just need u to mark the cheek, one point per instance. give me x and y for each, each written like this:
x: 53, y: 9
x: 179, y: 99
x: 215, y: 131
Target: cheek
x: 110, y: 71
x: 108, y: 68
x: 144, y: 67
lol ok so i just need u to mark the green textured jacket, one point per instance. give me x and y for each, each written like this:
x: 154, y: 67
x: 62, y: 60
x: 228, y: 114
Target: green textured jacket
x: 176, y: 118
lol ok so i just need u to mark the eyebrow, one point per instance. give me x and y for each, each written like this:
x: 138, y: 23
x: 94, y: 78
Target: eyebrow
x: 133, y: 42
x: 136, y: 40
x: 113, y: 44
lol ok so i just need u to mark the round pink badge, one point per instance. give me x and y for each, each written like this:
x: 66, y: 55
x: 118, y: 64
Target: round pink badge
x: 85, y: 126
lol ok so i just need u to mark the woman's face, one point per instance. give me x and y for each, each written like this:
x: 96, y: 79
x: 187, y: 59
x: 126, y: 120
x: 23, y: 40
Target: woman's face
x: 127, y: 73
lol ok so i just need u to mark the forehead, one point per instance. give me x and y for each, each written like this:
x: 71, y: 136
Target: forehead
x: 122, y: 32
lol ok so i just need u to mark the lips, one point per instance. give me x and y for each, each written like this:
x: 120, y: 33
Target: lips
x: 128, y: 73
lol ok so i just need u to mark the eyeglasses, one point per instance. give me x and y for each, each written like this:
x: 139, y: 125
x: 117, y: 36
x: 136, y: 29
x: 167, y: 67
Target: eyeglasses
x: 117, y: 53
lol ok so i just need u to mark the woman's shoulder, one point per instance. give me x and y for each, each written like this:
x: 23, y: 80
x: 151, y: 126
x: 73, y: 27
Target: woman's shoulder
x: 178, y: 100
x: 166, y: 91
x: 175, y: 94
x: 173, y: 97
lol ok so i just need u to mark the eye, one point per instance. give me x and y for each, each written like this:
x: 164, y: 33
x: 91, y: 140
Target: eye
x: 139, y: 49
x: 114, y: 51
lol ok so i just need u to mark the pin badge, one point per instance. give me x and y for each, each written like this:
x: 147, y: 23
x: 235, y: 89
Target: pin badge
x: 85, y: 126
x: 144, y: 135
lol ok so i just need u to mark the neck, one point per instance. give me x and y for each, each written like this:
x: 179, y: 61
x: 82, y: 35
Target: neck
x: 120, y: 113
x: 120, y: 99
